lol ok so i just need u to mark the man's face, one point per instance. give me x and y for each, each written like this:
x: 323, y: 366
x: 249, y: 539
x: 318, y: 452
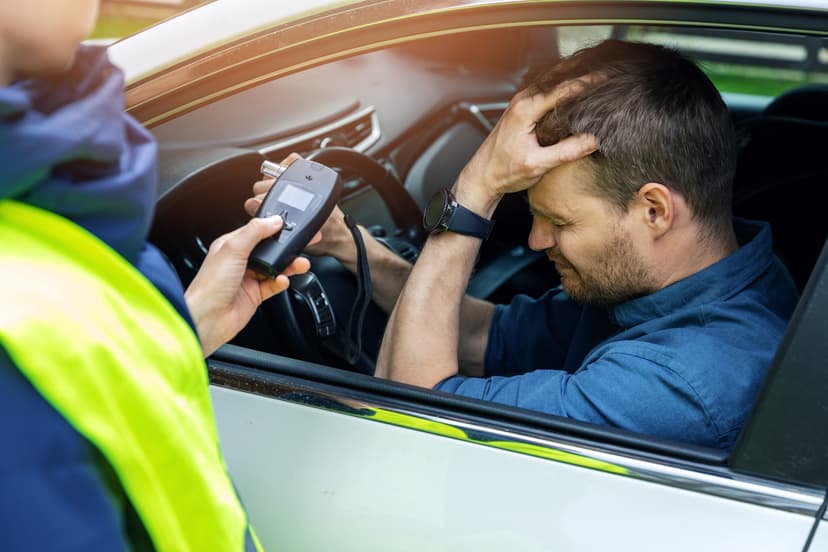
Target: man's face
x: 590, y: 242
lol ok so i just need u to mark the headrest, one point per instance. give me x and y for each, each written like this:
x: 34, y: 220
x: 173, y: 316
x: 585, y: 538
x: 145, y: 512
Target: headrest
x: 805, y: 102
x: 781, y: 146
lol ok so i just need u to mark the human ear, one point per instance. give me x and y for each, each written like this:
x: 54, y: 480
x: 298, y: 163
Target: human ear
x: 657, y: 207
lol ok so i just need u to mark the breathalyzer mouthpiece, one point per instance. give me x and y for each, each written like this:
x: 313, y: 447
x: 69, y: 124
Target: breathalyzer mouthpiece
x: 273, y: 170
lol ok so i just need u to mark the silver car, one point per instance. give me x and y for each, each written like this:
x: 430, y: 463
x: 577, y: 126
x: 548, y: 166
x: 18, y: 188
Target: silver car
x: 397, y: 95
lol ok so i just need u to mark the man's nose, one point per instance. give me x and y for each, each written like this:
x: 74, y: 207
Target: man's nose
x: 541, y: 238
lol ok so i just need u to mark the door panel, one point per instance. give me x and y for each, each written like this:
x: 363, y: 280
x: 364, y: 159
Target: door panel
x: 820, y: 541
x: 315, y: 479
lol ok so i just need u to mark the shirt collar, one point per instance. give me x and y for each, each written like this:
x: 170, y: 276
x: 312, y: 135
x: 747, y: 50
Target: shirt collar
x: 714, y: 283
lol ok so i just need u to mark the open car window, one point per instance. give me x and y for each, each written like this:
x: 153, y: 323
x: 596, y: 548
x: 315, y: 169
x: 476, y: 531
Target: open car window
x: 747, y: 66
x: 426, y: 140
x: 418, y: 100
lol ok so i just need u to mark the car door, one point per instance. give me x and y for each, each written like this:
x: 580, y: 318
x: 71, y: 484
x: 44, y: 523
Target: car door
x: 820, y: 540
x: 340, y: 467
x: 326, y: 459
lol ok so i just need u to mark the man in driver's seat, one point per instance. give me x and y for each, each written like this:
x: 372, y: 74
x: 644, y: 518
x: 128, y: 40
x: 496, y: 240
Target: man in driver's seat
x: 669, y: 309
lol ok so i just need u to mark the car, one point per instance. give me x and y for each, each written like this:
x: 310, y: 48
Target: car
x: 397, y: 95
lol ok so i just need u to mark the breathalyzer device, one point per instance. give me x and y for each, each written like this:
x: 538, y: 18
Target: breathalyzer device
x: 304, y: 195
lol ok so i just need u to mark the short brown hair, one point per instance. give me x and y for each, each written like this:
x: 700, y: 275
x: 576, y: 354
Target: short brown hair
x: 657, y: 118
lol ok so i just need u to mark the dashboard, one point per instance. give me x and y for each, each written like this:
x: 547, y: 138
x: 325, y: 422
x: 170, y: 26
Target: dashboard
x: 413, y: 110
x: 418, y: 111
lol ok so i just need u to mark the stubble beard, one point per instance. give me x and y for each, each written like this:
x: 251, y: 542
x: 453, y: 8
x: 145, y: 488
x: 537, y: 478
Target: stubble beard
x: 617, y: 275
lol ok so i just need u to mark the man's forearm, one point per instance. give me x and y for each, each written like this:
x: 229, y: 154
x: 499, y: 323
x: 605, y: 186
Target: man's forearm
x: 421, y: 340
x: 389, y: 271
x: 423, y: 344
x: 475, y: 321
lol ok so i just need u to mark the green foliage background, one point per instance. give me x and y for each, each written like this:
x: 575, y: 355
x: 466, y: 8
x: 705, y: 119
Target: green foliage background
x: 119, y: 26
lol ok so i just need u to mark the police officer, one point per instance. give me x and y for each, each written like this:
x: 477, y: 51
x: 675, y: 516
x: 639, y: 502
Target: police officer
x: 107, y: 434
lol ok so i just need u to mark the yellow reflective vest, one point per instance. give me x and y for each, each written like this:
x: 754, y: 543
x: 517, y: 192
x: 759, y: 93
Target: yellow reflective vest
x: 102, y: 345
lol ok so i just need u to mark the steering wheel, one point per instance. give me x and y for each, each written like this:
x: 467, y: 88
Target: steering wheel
x: 404, y: 211
x: 289, y: 311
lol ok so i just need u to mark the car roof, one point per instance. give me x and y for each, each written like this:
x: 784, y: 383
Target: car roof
x: 211, y: 25
x: 204, y: 27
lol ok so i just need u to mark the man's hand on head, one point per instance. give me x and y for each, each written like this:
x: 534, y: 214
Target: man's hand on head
x: 425, y: 341
x: 511, y: 159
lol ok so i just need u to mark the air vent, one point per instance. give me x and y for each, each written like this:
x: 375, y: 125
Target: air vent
x: 359, y: 131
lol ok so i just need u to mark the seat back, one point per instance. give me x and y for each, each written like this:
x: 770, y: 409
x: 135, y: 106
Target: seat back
x: 809, y: 102
x: 782, y: 175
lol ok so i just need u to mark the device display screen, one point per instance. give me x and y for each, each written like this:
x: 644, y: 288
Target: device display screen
x: 296, y: 197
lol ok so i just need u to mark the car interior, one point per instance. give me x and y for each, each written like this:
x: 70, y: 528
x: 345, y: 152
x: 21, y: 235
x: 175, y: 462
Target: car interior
x: 400, y: 123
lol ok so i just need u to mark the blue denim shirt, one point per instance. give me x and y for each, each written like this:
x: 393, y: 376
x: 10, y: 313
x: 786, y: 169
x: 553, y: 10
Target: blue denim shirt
x: 684, y: 363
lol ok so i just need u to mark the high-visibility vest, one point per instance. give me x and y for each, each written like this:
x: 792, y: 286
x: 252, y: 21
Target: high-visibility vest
x: 102, y: 345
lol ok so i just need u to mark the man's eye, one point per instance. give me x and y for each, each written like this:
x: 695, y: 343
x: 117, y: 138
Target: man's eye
x: 549, y: 220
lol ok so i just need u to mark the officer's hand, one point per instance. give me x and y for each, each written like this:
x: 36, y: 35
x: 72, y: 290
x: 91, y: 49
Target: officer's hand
x: 510, y: 159
x: 225, y: 293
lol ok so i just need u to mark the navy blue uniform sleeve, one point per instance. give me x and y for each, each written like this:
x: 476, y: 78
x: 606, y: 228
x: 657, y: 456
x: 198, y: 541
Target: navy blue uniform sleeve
x: 155, y: 266
x: 631, y: 387
x: 53, y: 495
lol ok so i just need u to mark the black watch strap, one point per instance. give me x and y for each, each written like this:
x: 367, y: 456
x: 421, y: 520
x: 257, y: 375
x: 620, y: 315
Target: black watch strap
x: 467, y: 222
x: 444, y: 213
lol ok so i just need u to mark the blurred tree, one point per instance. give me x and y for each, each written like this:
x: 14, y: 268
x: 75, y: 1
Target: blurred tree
x: 119, y: 18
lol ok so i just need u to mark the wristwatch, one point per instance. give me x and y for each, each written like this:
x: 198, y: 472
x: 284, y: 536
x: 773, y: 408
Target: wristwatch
x: 444, y: 213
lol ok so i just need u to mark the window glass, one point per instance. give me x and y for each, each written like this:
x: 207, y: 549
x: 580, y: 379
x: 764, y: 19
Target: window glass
x: 741, y: 62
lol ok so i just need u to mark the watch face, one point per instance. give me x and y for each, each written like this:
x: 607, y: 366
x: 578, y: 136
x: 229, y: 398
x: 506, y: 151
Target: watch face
x: 434, y: 210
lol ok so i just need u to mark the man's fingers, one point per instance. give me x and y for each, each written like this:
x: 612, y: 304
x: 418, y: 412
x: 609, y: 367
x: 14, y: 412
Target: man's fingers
x: 521, y: 95
x: 315, y: 239
x: 251, y: 205
x: 290, y: 159
x: 569, y: 149
x: 261, y: 187
x: 543, y: 103
x: 539, y: 104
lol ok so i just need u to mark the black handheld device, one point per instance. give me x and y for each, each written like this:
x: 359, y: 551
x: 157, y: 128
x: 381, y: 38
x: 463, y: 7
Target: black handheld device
x: 304, y: 195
